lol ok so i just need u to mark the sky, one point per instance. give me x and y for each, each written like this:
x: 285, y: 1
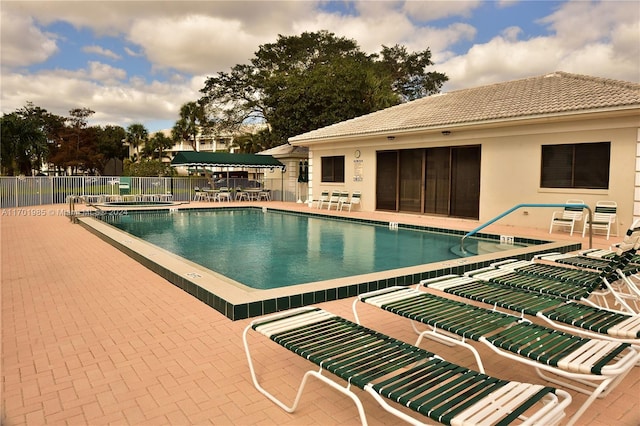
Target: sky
x: 140, y: 61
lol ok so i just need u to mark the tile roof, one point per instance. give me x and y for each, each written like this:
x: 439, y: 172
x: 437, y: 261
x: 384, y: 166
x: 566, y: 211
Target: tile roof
x: 554, y: 93
x: 286, y: 150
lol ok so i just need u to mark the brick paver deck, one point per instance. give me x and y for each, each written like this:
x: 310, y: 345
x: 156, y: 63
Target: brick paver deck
x: 90, y: 337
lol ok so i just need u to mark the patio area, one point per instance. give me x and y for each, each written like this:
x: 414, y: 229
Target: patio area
x: 91, y: 337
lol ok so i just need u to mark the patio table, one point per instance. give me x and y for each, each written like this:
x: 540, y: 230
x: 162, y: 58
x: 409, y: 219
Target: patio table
x: 253, y: 194
x: 212, y: 194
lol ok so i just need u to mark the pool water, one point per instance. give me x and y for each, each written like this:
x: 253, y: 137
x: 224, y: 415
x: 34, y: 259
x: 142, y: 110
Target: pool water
x: 271, y: 249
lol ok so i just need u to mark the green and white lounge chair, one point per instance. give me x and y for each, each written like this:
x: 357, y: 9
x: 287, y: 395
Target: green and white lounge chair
x: 539, y: 284
x: 585, y: 261
x: 627, y: 285
x: 590, y: 366
x: 567, y: 281
x: 585, y: 319
x: 397, y: 373
x: 599, y: 259
x: 562, y: 281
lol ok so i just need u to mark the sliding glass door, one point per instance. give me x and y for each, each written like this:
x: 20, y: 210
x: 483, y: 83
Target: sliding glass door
x: 438, y: 181
x: 410, y: 168
x: 465, y: 182
x: 387, y: 180
x: 442, y: 181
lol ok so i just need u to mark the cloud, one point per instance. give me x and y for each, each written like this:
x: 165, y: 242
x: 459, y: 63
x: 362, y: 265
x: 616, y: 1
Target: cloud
x: 103, y: 89
x: 580, y: 22
x: 427, y: 11
x: 392, y: 26
x: 194, y: 44
x: 105, y: 73
x: 23, y: 43
x: 609, y: 48
x: 101, y: 51
x: 132, y: 52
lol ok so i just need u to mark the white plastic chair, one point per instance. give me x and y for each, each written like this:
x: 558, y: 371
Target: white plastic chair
x: 324, y: 197
x: 199, y: 195
x: 241, y: 195
x: 333, y: 200
x: 353, y: 201
x: 568, y: 217
x: 223, y: 195
x: 604, y: 216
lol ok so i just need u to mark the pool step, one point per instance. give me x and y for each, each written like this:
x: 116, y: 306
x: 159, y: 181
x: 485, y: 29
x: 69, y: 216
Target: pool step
x: 491, y: 247
x: 482, y: 247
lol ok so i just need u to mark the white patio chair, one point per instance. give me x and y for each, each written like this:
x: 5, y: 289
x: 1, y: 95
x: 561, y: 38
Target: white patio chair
x: 223, y: 195
x: 324, y: 197
x: 333, y: 200
x: 199, y: 195
x: 603, y: 218
x: 568, y: 217
x: 353, y: 201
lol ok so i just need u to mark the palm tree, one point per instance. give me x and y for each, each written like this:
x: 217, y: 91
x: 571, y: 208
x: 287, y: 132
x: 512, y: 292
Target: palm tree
x: 192, y: 120
x: 137, y: 134
x: 248, y: 143
x: 159, y: 143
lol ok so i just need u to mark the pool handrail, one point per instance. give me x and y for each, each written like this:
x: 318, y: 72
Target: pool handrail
x: 518, y: 206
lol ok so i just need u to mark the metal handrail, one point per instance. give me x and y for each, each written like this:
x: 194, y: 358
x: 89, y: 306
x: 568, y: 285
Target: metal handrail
x: 500, y: 216
x: 73, y: 199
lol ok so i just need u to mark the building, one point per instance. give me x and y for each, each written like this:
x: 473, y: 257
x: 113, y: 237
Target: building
x: 476, y: 153
x: 203, y: 143
x: 288, y: 182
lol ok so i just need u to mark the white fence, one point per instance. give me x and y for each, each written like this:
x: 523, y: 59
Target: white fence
x: 34, y: 191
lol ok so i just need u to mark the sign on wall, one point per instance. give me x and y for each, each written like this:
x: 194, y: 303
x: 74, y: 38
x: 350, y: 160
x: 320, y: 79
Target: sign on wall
x: 357, y: 170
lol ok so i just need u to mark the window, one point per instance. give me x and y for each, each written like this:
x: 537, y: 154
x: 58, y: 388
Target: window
x: 333, y: 169
x: 583, y: 165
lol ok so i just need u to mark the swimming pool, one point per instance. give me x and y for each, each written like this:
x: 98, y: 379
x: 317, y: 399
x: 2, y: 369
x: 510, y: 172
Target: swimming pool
x: 272, y: 249
x: 238, y: 301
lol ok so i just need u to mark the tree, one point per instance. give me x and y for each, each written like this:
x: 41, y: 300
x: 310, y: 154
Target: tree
x: 407, y: 71
x: 247, y: 143
x: 192, y: 121
x: 76, y: 147
x: 137, y: 134
x: 110, y: 144
x: 78, y: 119
x: 28, y: 136
x: 21, y: 138
x: 158, y: 143
x: 301, y: 83
x: 145, y: 167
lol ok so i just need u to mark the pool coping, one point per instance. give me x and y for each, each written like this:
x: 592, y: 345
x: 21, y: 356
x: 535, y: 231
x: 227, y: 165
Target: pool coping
x: 237, y: 301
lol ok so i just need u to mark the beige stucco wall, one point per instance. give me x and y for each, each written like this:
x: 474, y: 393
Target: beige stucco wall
x: 510, y: 164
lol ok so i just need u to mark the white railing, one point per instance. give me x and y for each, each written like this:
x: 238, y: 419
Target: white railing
x: 43, y: 190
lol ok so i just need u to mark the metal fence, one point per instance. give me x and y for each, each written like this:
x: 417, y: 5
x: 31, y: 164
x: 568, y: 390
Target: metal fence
x: 33, y: 191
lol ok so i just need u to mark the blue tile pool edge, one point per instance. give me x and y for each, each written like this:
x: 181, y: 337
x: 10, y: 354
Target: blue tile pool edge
x: 239, y: 311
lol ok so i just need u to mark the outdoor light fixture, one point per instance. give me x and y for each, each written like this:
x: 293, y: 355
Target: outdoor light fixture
x: 446, y: 132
